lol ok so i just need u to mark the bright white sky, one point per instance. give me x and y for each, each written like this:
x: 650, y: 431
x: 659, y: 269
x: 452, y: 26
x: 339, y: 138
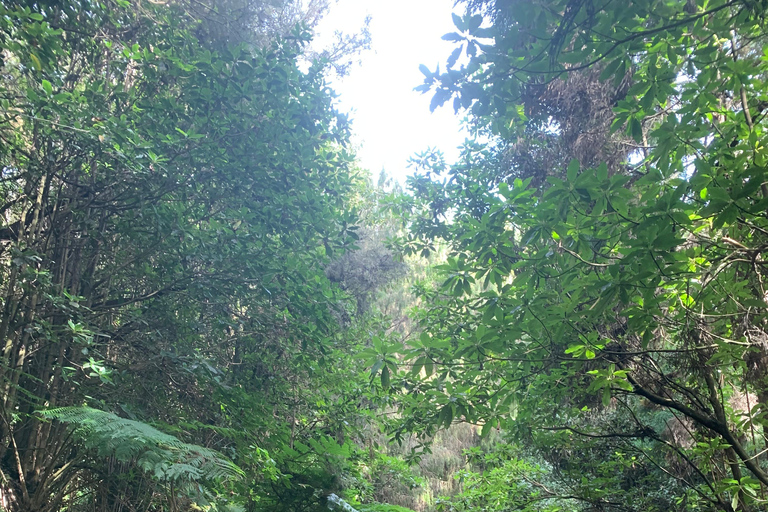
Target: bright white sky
x: 391, y: 121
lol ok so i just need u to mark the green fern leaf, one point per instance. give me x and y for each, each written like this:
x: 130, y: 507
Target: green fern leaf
x: 160, y: 454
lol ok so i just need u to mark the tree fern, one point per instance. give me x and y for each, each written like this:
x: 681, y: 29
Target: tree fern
x: 160, y: 454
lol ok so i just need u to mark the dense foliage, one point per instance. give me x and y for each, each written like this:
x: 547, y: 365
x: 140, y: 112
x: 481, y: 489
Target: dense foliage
x: 170, y: 199
x: 191, y: 264
x: 604, y: 299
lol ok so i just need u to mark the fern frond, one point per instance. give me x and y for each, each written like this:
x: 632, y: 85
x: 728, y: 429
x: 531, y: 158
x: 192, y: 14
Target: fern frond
x: 158, y: 453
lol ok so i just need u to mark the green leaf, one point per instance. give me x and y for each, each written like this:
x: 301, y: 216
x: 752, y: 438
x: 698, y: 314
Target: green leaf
x: 647, y: 101
x: 445, y: 417
x: 376, y: 367
x: 385, y: 377
x: 453, y: 37
x: 487, y: 429
x: 611, y: 68
x: 573, y: 170
x: 474, y: 23
x: 458, y: 22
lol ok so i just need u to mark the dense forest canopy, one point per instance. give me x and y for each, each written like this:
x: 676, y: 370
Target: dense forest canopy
x: 169, y: 203
x: 605, y: 300
x: 206, y: 305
